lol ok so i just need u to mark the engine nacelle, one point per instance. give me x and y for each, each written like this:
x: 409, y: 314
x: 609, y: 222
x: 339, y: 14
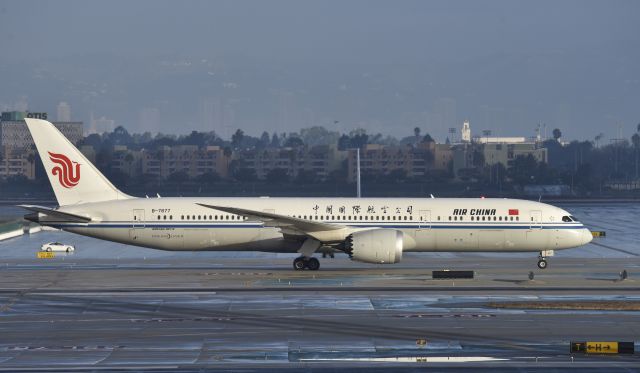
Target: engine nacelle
x: 380, y: 246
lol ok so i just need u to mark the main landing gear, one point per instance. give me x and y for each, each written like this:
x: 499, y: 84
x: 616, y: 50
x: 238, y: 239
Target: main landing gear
x: 542, y: 261
x: 303, y: 262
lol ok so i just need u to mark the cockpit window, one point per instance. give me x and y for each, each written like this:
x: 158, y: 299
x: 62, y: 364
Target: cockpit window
x: 567, y: 219
x: 573, y: 218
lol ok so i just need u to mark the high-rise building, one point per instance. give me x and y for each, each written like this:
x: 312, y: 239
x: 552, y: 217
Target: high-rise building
x: 101, y: 125
x: 211, y: 115
x: 15, y: 134
x: 64, y: 112
x: 444, y: 109
x: 149, y: 119
x: 466, y: 132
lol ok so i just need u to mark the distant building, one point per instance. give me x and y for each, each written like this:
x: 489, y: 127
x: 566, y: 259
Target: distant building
x: 64, y: 112
x: 466, y: 132
x: 319, y: 160
x: 15, y: 134
x: 167, y: 160
x: 506, y: 153
x: 376, y: 159
x: 14, y: 163
x: 149, y: 119
x: 101, y: 125
x: 500, y: 140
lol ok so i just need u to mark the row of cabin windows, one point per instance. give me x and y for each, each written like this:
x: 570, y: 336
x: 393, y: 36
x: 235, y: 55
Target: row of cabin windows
x: 484, y: 218
x: 203, y: 217
x: 349, y: 217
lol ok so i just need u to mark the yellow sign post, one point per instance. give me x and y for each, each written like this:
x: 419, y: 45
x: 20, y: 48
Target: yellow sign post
x: 603, y: 347
x: 45, y: 255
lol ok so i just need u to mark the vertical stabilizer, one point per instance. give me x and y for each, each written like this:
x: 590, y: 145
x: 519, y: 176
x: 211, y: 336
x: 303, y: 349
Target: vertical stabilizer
x: 73, y: 178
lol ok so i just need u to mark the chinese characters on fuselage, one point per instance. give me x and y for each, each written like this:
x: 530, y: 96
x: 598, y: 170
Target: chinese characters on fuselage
x: 359, y: 209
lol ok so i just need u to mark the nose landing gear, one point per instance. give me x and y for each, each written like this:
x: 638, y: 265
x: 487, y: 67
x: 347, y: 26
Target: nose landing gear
x: 300, y: 263
x: 542, y: 261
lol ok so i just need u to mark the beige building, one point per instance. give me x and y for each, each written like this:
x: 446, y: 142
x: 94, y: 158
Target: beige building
x: 320, y: 160
x: 506, y: 153
x: 376, y: 159
x: 18, y: 163
x: 182, y: 158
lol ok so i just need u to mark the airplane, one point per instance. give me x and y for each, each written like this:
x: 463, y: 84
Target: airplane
x: 371, y: 230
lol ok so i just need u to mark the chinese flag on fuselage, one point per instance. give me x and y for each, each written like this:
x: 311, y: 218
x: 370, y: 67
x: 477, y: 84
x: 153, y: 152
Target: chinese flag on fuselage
x: 514, y: 212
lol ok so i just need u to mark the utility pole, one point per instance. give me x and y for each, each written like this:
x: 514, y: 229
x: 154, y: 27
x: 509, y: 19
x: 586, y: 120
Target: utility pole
x: 358, y: 172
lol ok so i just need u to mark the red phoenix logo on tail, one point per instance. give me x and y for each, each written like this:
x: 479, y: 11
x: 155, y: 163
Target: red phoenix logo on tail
x: 67, y: 174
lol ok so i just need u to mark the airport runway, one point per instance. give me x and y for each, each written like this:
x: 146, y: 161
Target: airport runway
x: 112, y: 307
x: 156, y: 317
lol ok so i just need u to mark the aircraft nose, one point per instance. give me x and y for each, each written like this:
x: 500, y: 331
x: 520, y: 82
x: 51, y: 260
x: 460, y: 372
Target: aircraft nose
x: 586, y: 236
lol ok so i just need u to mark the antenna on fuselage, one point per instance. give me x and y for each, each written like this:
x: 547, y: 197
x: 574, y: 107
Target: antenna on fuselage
x: 432, y: 195
x: 359, y: 192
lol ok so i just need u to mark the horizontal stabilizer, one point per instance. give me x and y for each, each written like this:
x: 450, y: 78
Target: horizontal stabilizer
x: 65, y: 216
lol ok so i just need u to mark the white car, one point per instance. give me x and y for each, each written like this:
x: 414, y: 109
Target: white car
x: 57, y: 246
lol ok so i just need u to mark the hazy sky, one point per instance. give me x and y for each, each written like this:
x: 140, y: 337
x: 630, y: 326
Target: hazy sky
x: 386, y: 66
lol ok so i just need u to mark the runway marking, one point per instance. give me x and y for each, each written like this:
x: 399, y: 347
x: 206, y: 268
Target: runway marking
x: 614, y: 248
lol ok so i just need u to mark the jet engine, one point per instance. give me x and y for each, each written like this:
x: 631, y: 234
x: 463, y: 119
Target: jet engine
x: 381, y: 246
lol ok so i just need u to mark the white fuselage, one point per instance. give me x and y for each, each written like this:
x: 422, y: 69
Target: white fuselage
x: 427, y: 224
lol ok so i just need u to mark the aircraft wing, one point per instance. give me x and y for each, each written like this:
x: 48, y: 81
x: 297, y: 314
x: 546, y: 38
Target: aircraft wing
x: 65, y: 216
x: 281, y: 221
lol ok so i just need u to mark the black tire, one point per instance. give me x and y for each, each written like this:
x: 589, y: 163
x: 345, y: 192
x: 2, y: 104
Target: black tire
x: 542, y: 264
x: 299, y: 264
x: 49, y: 249
x: 68, y: 249
x: 313, y: 264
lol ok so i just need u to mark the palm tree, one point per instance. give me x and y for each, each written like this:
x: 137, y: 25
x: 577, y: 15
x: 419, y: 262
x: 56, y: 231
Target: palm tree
x: 129, y: 159
x: 557, y: 134
x: 31, y: 158
x: 598, y: 138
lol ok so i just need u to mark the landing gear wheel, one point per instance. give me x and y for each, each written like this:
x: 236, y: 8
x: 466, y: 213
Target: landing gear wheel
x: 542, y: 264
x: 299, y: 263
x: 313, y: 264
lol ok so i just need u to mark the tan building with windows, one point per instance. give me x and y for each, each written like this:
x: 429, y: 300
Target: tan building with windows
x: 190, y: 159
x: 376, y: 159
x: 18, y: 163
x: 319, y: 160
